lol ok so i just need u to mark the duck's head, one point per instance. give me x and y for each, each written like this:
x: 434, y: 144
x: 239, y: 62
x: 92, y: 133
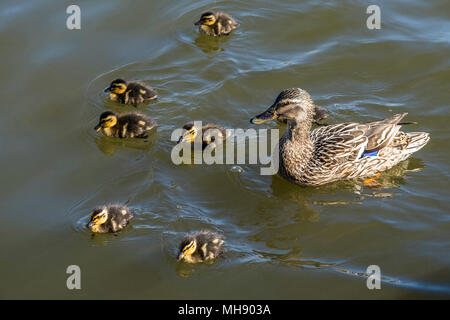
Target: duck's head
x: 187, y: 248
x: 207, y: 19
x: 190, y: 134
x: 291, y: 104
x: 98, y: 217
x: 107, y: 119
x: 118, y: 86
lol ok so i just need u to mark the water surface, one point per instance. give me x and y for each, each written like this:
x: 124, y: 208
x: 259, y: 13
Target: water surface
x: 283, y: 241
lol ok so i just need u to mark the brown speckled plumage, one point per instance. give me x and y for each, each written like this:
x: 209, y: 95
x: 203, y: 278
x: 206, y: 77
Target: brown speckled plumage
x: 334, y: 152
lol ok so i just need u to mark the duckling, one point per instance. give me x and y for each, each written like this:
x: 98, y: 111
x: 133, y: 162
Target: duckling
x: 216, y: 23
x: 201, y: 246
x: 211, y: 133
x: 133, y: 92
x: 109, y: 218
x: 129, y: 125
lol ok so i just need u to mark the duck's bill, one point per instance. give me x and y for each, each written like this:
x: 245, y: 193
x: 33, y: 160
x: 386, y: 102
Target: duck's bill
x: 197, y: 23
x: 180, y: 256
x: 90, y: 224
x: 107, y: 89
x: 267, y: 115
x: 97, y: 128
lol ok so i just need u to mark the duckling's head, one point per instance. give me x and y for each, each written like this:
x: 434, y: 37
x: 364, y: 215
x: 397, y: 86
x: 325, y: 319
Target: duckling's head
x: 207, y: 19
x: 98, y: 217
x: 187, y: 248
x: 190, y: 134
x: 291, y: 104
x: 107, y: 119
x: 118, y: 86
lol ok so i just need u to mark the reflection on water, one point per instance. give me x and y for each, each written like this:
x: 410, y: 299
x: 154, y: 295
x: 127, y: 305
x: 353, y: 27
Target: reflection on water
x: 109, y: 145
x: 209, y: 44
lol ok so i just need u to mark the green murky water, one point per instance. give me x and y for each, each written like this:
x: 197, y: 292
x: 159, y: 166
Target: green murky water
x: 283, y: 241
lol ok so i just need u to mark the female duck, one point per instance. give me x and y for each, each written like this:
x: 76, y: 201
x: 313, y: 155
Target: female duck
x: 133, y: 93
x: 201, y: 246
x: 216, y: 23
x: 129, y: 125
x: 211, y: 134
x: 335, y: 152
x: 110, y: 218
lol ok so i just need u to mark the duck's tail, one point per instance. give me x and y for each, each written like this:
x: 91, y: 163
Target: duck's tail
x: 417, y: 141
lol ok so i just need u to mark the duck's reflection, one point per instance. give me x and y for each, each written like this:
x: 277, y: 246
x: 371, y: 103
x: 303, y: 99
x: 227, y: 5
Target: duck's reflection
x: 359, y: 188
x: 109, y: 145
x: 209, y: 44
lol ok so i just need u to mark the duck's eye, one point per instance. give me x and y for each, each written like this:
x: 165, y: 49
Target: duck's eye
x: 282, y: 104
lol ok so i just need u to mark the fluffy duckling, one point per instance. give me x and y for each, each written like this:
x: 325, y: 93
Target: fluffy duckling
x: 201, y: 246
x: 129, y: 125
x: 133, y: 92
x: 216, y: 23
x: 110, y: 218
x: 211, y: 133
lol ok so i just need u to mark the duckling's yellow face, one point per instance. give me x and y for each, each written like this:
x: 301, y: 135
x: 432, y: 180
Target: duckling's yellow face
x: 106, y: 121
x: 187, y: 250
x: 99, y: 217
x: 118, y: 86
x: 207, y: 19
x: 189, y: 135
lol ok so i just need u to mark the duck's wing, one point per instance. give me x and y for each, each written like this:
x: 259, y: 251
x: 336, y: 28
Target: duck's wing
x: 381, y: 133
x: 335, y: 144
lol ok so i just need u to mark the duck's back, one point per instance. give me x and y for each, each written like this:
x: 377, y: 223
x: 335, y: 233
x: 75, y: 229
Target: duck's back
x: 227, y: 23
x: 134, y: 125
x: 139, y: 89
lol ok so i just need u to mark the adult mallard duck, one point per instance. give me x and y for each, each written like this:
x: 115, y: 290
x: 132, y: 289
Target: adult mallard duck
x: 216, y: 23
x: 211, y: 134
x: 201, y: 246
x: 109, y: 218
x: 335, y: 152
x: 129, y: 125
x: 133, y: 92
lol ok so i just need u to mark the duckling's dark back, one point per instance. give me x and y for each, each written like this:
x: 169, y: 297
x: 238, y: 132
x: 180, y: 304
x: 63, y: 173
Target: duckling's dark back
x: 138, y: 89
x: 119, y: 216
x: 227, y: 23
x: 213, y: 243
x: 136, y: 124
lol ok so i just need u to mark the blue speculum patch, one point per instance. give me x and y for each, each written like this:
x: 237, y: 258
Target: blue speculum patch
x: 370, y: 154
